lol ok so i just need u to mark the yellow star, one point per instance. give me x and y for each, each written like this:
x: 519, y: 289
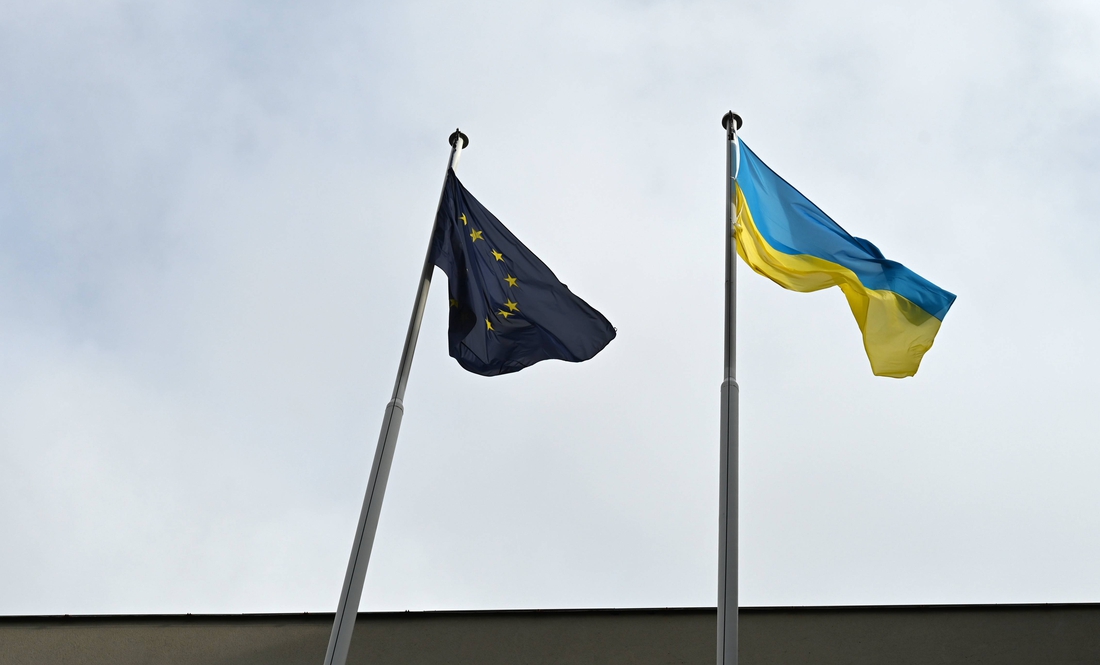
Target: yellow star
x: 454, y: 303
x: 463, y: 218
x: 497, y: 255
x: 511, y: 280
x: 488, y: 325
x: 476, y: 235
x: 512, y: 306
x: 504, y: 314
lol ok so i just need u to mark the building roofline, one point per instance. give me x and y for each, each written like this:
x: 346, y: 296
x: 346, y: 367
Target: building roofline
x: 268, y: 616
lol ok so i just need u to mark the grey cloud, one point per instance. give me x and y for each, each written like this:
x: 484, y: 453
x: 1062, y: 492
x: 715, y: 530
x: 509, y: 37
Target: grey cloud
x: 213, y: 216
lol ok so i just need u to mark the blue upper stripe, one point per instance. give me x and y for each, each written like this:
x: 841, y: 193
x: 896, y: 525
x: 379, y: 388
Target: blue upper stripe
x: 792, y: 224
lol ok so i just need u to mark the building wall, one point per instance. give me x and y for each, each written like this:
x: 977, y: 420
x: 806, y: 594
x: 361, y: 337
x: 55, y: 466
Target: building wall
x: 1005, y: 635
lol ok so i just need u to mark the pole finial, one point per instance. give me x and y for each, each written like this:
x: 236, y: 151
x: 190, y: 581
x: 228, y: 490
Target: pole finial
x: 731, y: 117
x: 455, y: 136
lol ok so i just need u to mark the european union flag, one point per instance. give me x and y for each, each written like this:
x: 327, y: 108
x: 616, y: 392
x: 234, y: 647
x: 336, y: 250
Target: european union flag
x: 508, y: 310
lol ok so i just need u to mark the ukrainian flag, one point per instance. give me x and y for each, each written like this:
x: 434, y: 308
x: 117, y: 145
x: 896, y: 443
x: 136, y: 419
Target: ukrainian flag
x: 786, y: 238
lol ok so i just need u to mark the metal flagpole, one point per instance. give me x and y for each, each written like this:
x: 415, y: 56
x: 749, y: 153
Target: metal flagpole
x: 340, y: 639
x: 727, y: 507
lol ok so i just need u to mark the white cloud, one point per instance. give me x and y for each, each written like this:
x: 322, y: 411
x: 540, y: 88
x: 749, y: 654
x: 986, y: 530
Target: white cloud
x: 213, y: 219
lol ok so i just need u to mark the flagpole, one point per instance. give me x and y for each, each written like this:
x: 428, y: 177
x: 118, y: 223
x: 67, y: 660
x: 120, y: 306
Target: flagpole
x: 727, y: 507
x: 344, y: 623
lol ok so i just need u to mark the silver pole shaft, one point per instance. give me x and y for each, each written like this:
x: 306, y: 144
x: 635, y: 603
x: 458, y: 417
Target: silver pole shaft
x: 340, y: 640
x: 727, y: 508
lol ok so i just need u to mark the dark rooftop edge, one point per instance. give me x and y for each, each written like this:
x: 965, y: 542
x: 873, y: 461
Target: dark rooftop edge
x: 15, y: 618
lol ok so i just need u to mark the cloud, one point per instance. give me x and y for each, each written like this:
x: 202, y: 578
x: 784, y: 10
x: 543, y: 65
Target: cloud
x: 214, y: 217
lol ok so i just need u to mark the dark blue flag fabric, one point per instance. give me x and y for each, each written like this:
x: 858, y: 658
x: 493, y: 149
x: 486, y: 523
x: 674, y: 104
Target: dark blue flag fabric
x: 508, y: 310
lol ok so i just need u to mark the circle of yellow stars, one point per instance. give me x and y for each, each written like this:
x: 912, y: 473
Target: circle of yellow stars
x: 511, y: 305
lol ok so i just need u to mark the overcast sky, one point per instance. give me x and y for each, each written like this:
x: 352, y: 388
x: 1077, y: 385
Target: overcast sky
x: 212, y: 219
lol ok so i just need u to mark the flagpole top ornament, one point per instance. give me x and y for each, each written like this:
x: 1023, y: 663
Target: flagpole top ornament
x: 455, y: 136
x: 731, y: 117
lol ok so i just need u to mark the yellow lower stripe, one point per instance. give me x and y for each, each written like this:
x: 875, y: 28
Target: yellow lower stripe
x: 896, y: 332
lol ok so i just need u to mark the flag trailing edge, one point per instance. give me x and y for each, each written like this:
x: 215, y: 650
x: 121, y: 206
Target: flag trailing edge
x: 785, y: 237
x: 508, y: 310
